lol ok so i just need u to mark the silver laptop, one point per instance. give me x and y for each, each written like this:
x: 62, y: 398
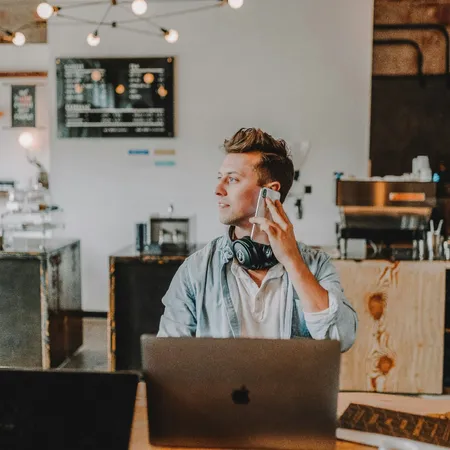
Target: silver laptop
x: 241, y: 393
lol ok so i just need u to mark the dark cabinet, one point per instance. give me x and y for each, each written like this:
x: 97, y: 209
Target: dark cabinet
x: 138, y: 283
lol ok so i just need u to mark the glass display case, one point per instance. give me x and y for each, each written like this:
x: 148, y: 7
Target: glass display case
x: 30, y: 214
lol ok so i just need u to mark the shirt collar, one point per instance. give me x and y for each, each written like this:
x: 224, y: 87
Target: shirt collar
x: 225, y: 247
x: 277, y: 271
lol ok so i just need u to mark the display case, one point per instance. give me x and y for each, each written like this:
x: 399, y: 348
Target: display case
x: 30, y: 214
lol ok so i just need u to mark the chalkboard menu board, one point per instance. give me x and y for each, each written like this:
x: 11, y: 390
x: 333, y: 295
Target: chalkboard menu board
x: 23, y: 106
x: 115, y: 97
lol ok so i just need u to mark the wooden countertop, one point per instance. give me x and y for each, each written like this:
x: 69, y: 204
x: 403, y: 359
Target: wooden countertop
x: 129, y: 254
x: 414, y: 405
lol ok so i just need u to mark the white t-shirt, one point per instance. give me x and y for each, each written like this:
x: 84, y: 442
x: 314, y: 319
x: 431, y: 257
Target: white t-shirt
x: 261, y: 309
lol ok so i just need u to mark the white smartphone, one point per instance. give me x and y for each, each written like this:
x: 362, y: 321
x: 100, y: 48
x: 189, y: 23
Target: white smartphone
x: 261, y: 207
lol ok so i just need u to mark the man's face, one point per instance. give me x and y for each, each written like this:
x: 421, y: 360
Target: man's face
x: 238, y: 189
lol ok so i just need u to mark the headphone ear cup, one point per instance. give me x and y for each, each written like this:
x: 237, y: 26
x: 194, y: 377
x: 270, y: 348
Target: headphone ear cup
x: 245, y: 252
x: 267, y: 252
x: 252, y: 255
x: 266, y: 257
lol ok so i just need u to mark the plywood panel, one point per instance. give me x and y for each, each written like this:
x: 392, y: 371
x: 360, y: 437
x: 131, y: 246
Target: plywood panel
x: 21, y: 16
x: 399, y: 345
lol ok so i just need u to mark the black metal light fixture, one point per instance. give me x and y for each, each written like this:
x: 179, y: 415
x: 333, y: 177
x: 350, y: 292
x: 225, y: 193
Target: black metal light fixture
x: 137, y: 8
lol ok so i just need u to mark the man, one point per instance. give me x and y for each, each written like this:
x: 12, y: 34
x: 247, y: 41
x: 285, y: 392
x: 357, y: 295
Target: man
x: 298, y: 295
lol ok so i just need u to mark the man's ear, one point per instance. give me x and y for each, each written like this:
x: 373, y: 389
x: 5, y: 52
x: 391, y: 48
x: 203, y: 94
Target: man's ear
x: 274, y: 185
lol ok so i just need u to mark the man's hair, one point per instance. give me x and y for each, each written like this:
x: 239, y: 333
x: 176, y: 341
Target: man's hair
x: 275, y: 164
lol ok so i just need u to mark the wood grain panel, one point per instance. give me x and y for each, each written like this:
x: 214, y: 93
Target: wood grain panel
x: 21, y: 16
x: 400, y: 341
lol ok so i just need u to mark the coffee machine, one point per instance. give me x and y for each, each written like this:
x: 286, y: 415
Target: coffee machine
x: 391, y: 216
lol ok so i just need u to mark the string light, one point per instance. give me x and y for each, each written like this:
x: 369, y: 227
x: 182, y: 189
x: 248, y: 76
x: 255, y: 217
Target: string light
x: 171, y: 36
x: 139, y: 7
x: 235, y: 4
x: 93, y: 39
x: 18, y: 39
x: 45, y: 10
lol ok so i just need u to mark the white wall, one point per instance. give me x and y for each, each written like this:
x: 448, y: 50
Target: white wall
x: 30, y: 57
x: 13, y: 162
x: 300, y: 70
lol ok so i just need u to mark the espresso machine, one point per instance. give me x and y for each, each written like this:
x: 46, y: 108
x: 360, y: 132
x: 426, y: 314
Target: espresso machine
x: 391, y: 216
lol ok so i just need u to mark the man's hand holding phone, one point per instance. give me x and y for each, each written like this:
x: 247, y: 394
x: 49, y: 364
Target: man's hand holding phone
x: 279, y: 230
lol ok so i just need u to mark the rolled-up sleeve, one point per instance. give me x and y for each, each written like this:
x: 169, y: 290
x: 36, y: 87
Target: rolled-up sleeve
x: 322, y: 324
x: 179, y: 318
x: 340, y: 320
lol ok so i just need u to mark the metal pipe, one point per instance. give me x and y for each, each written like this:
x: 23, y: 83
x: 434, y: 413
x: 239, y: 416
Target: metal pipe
x: 424, y: 26
x: 411, y: 43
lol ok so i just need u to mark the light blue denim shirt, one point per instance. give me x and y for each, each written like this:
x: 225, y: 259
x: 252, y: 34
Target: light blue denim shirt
x: 198, y: 301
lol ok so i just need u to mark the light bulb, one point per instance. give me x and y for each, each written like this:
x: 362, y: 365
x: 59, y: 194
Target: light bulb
x: 93, y: 39
x: 235, y: 4
x: 19, y: 39
x: 139, y: 7
x: 149, y: 78
x: 45, y: 10
x: 96, y: 75
x: 162, y: 91
x: 171, y: 36
x: 26, y: 139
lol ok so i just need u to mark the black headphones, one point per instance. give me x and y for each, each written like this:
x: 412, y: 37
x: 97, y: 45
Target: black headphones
x: 253, y: 255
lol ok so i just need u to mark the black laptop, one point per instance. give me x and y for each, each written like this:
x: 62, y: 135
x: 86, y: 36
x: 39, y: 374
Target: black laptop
x: 66, y: 410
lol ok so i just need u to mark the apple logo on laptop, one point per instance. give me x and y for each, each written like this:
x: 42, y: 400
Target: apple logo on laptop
x: 241, y: 396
